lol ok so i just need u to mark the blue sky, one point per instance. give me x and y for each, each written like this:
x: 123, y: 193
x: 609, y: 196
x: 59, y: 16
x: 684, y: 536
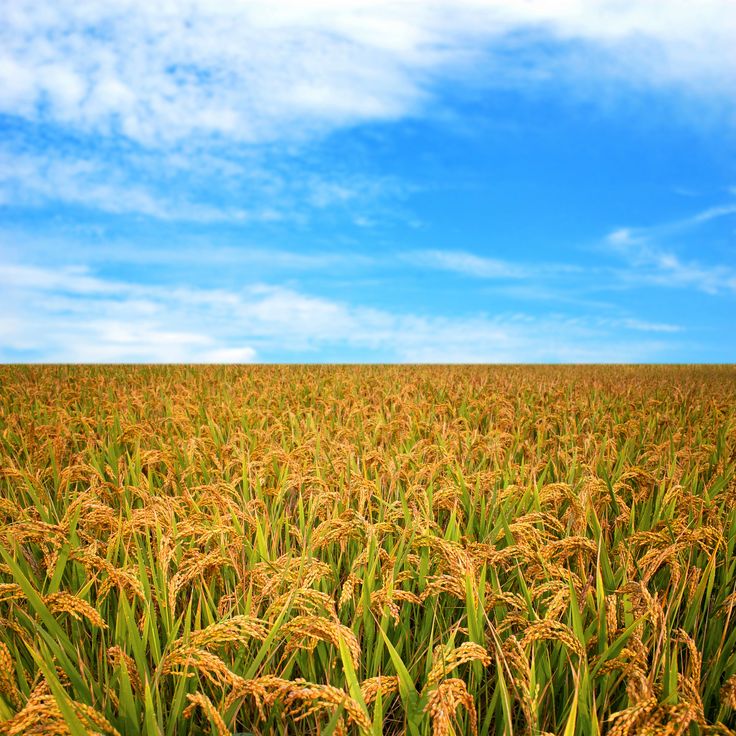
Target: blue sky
x: 475, y: 181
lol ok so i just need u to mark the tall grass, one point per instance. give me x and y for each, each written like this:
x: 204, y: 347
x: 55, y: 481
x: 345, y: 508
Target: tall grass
x: 367, y: 550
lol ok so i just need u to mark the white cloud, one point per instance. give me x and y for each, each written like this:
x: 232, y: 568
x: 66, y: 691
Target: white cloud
x: 258, y: 71
x: 626, y: 236
x: 470, y: 264
x: 28, y: 179
x: 644, y: 326
x: 712, y: 213
x: 200, y: 187
x: 649, y: 262
x: 73, y: 315
x: 192, y: 253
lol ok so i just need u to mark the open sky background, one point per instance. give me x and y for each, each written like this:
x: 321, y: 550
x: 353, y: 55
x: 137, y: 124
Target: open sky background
x: 450, y: 181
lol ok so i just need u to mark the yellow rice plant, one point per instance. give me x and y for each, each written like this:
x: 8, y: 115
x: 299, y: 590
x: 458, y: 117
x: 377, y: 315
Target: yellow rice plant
x: 378, y: 549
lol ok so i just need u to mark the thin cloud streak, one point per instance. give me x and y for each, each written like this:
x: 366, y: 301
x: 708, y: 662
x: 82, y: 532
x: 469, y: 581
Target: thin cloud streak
x: 483, y: 267
x: 468, y: 264
x: 649, y: 262
x: 211, y: 253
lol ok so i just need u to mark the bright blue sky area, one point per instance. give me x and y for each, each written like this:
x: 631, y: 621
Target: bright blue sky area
x: 383, y: 182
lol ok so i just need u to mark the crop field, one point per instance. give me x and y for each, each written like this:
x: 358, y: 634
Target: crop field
x: 368, y: 550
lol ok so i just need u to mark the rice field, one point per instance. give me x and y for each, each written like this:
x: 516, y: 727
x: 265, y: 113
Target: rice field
x: 368, y: 550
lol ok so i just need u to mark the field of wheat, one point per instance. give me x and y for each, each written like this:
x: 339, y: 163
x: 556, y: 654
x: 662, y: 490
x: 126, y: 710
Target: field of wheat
x: 397, y: 550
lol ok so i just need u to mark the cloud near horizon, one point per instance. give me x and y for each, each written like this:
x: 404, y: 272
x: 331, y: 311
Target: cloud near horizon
x: 81, y: 317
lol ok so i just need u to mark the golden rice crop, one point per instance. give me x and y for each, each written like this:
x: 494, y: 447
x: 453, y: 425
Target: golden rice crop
x: 368, y: 550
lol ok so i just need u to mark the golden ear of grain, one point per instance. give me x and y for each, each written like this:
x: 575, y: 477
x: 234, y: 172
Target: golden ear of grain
x: 115, y: 655
x: 348, y: 590
x: 76, y: 607
x: 348, y: 526
x: 627, y: 722
x: 180, y: 660
x: 123, y: 579
x: 200, y: 700
x: 196, y: 566
x: 695, y: 665
x: 646, y: 603
x: 448, y: 661
x: 95, y: 718
x: 564, y: 548
x: 265, y: 690
x: 383, y: 684
x: 236, y: 629
x: 728, y: 693
x: 8, y: 685
x: 285, y: 574
x: 552, y: 630
x: 443, y: 703
x: 42, y: 716
x: 299, y: 698
x: 302, y: 600
x: 611, y: 616
x: 61, y: 602
x: 11, y: 592
x: 305, y: 631
x: 387, y: 598
x: 306, y: 699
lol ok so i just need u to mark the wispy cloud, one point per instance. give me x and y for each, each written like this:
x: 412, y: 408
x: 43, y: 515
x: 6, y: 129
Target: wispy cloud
x: 483, y: 267
x: 225, y: 252
x: 189, y: 186
x: 38, y: 179
x: 158, y: 73
x: 644, y: 234
x: 644, y: 326
x: 650, y: 262
x: 192, y: 254
x: 73, y: 314
x: 712, y: 213
x: 468, y: 264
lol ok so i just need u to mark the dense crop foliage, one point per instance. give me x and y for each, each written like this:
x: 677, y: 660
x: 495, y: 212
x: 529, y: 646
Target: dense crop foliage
x: 368, y: 550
